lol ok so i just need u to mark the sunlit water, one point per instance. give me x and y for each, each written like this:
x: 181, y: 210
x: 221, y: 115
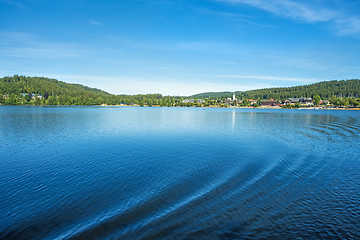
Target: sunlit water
x: 178, y: 173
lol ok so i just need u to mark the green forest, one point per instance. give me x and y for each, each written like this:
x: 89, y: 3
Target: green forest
x: 339, y: 93
x: 326, y: 90
x: 22, y: 90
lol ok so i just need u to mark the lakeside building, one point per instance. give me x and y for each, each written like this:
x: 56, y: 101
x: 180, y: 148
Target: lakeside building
x: 270, y: 102
x: 252, y: 101
x: 201, y: 101
x: 306, y: 101
x: 292, y: 101
x: 33, y: 95
x: 188, y: 101
x: 324, y: 102
x: 301, y: 101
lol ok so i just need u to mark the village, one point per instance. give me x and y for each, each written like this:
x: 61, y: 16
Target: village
x: 304, y: 102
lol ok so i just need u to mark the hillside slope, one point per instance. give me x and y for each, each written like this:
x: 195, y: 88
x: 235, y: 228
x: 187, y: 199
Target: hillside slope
x: 40, y: 91
x: 40, y: 85
x: 21, y: 90
x: 326, y: 90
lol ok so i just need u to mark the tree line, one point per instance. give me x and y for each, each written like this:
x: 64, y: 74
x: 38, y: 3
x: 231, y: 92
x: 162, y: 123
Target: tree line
x: 326, y: 90
x: 22, y: 90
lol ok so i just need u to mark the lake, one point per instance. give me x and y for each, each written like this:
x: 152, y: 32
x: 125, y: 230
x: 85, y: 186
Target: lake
x: 178, y: 173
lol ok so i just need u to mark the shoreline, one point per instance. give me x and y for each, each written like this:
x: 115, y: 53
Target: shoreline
x: 261, y: 107
x: 204, y: 107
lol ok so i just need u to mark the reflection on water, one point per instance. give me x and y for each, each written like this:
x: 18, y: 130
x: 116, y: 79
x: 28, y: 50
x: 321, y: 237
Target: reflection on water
x: 178, y: 173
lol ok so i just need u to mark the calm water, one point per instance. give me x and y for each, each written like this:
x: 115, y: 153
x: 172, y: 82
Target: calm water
x: 178, y: 173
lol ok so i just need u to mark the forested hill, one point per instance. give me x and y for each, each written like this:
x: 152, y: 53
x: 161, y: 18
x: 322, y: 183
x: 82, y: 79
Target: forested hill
x: 326, y: 90
x: 40, y: 90
x: 40, y: 85
x: 20, y: 90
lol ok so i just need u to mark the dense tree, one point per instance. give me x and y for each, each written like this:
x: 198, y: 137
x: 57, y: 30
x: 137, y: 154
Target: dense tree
x: 51, y: 101
x: 317, y: 100
x: 20, y: 90
x: 28, y: 97
x: 325, y: 90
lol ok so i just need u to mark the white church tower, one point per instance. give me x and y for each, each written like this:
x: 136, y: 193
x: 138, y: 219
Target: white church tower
x: 234, y: 97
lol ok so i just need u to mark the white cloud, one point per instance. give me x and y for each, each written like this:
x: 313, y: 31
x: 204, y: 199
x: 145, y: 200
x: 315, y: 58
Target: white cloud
x: 300, y: 11
x: 342, y: 22
x: 223, y: 14
x: 171, y: 86
x: 201, y: 45
x: 45, y: 52
x: 290, y: 9
x: 15, y: 4
x: 94, y: 22
x: 16, y: 36
x: 165, y: 86
x: 25, y: 45
x: 274, y: 78
x: 348, y: 26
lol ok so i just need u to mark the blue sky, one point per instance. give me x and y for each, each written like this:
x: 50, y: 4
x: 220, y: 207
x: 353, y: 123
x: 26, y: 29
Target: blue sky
x: 181, y: 47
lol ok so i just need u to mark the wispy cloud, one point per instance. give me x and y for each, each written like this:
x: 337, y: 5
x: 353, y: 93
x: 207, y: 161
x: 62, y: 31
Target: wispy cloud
x: 348, y: 26
x: 170, y: 67
x: 201, y: 45
x: 16, y: 36
x: 236, y: 17
x: 273, y: 78
x: 290, y: 9
x: 15, y: 4
x: 226, y: 63
x: 165, y: 86
x: 342, y: 22
x: 54, y: 51
x: 94, y: 22
x: 25, y: 45
x: 222, y: 13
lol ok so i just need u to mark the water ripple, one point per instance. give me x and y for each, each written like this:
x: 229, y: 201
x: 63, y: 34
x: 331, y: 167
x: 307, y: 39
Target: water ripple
x: 179, y: 173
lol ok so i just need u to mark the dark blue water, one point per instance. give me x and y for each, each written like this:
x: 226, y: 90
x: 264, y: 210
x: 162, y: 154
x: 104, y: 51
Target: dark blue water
x: 178, y: 173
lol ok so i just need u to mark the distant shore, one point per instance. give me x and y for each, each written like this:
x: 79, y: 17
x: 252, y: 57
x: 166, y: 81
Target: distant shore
x: 213, y: 106
x: 240, y: 107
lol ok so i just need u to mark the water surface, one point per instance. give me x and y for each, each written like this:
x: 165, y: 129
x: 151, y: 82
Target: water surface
x: 178, y: 173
